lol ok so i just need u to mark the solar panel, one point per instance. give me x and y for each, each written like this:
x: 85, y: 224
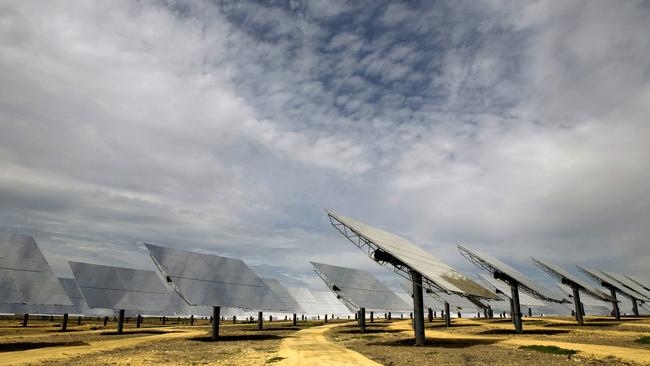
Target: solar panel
x: 9, y: 291
x: 121, y: 288
x: 211, y: 280
x: 607, y: 281
x: 437, y: 300
x: 330, y: 304
x: 504, y: 290
x: 437, y: 275
x: 494, y: 265
x: 644, y: 284
x: 23, y: 268
x: 359, y: 288
x: 565, y: 276
x: 630, y: 285
x: 284, y: 295
x: 587, y: 300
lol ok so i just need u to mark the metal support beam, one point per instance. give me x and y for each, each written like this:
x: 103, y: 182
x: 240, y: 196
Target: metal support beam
x: 430, y: 315
x: 577, y: 305
x: 191, y: 319
x: 295, y: 319
x: 105, y: 320
x: 362, y: 320
x: 617, y: 312
x: 635, y: 307
x: 325, y: 318
x: 64, y: 324
x: 216, y: 318
x: 25, y: 319
x: 514, y: 290
x: 260, y: 320
x: 120, y: 322
x: 372, y: 316
x: 418, y: 308
x: 447, y: 315
x: 138, y: 321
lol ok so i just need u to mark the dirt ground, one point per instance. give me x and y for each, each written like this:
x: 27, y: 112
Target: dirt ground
x: 484, y: 341
x: 469, y: 342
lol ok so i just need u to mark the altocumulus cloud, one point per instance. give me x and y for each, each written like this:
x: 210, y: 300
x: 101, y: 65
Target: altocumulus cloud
x: 516, y: 128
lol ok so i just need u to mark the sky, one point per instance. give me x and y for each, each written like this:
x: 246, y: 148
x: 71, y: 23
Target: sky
x: 517, y: 128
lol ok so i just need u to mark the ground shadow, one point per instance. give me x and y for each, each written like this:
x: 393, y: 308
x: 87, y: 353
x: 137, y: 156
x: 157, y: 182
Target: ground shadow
x: 529, y: 331
x: 453, y: 325
x: 237, y: 337
x: 437, y: 342
x: 23, y: 346
x: 556, y: 325
x: 132, y: 332
x: 368, y: 330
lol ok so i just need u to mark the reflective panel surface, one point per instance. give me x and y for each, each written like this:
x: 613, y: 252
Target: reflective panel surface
x: 605, y: 280
x: 211, y: 280
x: 431, y: 268
x: 359, y: 288
x: 283, y: 294
x: 121, y: 288
x: 504, y: 290
x: 561, y: 274
x: 23, y: 268
x: 493, y: 265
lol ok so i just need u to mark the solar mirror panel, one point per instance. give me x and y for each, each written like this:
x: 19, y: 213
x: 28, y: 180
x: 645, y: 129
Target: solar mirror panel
x: 607, y: 281
x: 565, y: 276
x: 493, y: 265
x: 434, y: 301
x: 640, y: 282
x: 630, y: 285
x: 211, y: 280
x: 504, y: 289
x: 436, y: 274
x: 587, y: 300
x: 23, y: 268
x: 284, y: 295
x: 359, y: 288
x: 120, y: 288
x: 10, y: 292
x: 306, y: 300
x: 329, y: 303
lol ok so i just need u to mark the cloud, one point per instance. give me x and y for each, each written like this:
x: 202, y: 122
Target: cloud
x: 517, y: 128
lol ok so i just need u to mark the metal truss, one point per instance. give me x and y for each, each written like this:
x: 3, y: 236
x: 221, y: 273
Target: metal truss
x: 369, y: 247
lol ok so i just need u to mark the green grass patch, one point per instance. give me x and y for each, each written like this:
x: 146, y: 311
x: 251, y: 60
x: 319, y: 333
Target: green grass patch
x: 551, y: 350
x: 644, y: 340
x: 275, y: 359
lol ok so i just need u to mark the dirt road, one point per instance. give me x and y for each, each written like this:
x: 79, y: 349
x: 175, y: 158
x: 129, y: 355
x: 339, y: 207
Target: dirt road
x: 311, y: 347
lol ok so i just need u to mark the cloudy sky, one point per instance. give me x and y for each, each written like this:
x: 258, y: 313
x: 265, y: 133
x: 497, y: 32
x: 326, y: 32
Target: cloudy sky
x: 517, y: 128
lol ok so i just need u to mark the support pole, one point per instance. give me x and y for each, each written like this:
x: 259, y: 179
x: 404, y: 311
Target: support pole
x: 295, y: 322
x: 326, y: 318
x: 105, y: 320
x: 390, y: 316
x: 79, y: 321
x: 635, y: 308
x: 120, y: 322
x: 64, y: 324
x: 191, y: 319
x: 138, y: 321
x: 362, y: 320
x: 578, y: 305
x: 530, y: 312
x: 25, y: 319
x: 430, y: 315
x: 234, y: 319
x: 164, y: 320
x: 372, y: 316
x: 447, y: 315
x: 260, y: 320
x: 617, y: 312
x: 514, y: 290
x: 216, y: 310
x: 418, y: 308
